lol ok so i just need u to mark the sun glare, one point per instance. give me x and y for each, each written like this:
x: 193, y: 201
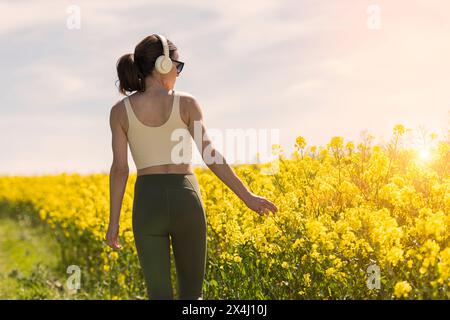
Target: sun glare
x: 424, y: 154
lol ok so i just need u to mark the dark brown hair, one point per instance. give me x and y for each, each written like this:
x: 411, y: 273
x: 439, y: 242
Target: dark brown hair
x: 133, y: 68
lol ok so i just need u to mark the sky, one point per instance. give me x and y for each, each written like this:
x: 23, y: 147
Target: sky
x: 307, y: 68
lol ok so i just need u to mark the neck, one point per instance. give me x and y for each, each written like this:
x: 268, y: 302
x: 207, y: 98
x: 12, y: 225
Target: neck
x: 156, y: 85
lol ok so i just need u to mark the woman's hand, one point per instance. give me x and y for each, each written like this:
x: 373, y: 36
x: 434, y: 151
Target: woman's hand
x: 260, y: 204
x: 112, y: 236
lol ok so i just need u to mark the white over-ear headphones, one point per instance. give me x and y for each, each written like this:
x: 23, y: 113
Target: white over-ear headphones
x: 163, y: 63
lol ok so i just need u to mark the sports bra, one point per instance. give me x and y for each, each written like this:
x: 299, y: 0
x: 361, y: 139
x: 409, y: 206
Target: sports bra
x: 170, y: 143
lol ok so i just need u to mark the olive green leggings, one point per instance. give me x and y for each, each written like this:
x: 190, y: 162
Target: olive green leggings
x: 168, y: 208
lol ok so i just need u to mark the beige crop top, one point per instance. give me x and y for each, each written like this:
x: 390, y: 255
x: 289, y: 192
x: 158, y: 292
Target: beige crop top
x: 170, y: 143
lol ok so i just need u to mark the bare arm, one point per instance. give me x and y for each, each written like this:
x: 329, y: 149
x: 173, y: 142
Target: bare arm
x: 218, y: 164
x: 118, y: 175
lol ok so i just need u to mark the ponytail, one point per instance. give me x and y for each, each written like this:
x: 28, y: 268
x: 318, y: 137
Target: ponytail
x: 130, y: 77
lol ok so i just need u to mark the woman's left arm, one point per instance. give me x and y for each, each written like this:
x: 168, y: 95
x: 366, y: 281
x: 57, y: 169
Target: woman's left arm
x: 118, y: 174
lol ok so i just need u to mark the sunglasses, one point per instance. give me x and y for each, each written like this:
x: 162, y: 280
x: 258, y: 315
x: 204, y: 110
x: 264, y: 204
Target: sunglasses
x: 180, y: 65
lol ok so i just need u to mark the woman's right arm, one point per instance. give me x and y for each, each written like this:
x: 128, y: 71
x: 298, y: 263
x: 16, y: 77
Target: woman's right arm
x: 118, y: 174
x: 219, y: 166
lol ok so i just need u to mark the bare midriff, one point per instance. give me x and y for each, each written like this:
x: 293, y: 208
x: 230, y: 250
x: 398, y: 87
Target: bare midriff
x: 167, y: 168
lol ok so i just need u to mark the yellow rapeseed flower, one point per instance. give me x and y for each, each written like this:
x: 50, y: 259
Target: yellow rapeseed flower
x: 114, y: 255
x: 121, y: 279
x: 341, y: 206
x: 402, y: 289
x: 237, y: 259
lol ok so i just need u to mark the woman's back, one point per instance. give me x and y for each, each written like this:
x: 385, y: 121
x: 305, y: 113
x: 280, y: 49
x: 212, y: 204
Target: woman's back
x: 153, y: 109
x: 156, y: 131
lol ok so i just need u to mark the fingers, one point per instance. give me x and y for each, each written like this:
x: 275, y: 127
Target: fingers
x: 261, y: 211
x: 115, y: 245
x: 113, y: 241
x: 110, y: 242
x: 270, y: 206
x: 265, y: 210
x: 264, y: 206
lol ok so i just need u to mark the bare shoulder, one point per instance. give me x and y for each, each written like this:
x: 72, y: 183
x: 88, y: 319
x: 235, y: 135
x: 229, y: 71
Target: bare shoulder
x: 186, y: 97
x: 117, y: 113
x: 191, y: 104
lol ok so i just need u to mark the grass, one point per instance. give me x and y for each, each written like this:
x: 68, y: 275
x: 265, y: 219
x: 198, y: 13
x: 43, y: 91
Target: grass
x: 29, y: 261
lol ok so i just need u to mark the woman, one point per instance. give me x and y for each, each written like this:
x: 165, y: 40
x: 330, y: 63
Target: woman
x: 167, y: 204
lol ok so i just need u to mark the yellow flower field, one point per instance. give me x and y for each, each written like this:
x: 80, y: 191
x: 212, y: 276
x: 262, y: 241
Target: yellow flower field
x: 343, y: 210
